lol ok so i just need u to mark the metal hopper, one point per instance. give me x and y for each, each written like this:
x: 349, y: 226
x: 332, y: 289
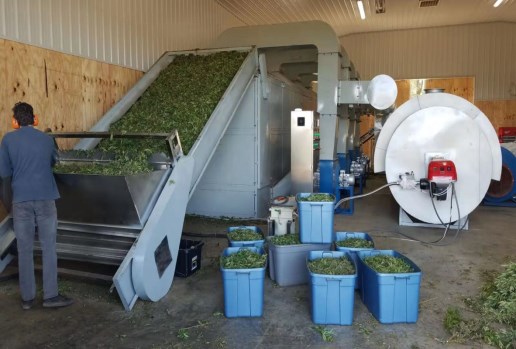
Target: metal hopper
x: 135, y: 222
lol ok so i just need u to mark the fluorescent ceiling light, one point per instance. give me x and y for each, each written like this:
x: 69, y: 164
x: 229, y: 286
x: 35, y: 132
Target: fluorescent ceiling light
x: 497, y: 3
x: 361, y: 8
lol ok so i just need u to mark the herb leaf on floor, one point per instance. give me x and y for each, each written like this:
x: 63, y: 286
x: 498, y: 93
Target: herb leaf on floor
x: 327, y: 335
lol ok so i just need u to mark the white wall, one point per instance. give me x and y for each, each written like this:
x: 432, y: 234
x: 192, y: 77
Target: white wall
x: 485, y: 51
x: 132, y: 33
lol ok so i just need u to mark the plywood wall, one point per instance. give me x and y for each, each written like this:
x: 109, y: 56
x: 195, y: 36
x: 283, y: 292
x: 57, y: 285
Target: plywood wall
x: 499, y: 112
x: 366, y: 123
x: 460, y: 86
x: 68, y: 93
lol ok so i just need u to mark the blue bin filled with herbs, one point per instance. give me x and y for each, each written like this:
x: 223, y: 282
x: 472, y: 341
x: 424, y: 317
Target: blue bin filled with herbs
x: 250, y: 236
x: 390, y: 285
x: 243, y: 275
x: 316, y: 217
x: 353, y: 242
x: 332, y: 278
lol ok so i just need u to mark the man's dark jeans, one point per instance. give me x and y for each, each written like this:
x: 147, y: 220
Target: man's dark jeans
x: 26, y: 216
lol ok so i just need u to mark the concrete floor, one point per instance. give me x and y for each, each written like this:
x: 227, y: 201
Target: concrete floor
x: 97, y: 320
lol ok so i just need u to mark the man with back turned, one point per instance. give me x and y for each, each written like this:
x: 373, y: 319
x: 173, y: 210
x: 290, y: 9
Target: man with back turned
x: 27, y: 156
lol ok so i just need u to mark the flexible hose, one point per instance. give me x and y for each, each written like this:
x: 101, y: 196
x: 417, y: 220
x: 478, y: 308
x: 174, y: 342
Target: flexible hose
x: 459, y: 228
x: 341, y: 201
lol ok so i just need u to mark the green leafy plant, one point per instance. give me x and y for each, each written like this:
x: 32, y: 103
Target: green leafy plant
x: 287, y: 239
x: 388, y: 264
x: 331, y: 266
x: 452, y: 319
x: 183, y: 334
x: 244, y: 234
x: 182, y: 97
x: 499, y: 298
x: 244, y: 259
x: 495, y: 313
x: 355, y: 243
x: 318, y: 198
x: 327, y: 335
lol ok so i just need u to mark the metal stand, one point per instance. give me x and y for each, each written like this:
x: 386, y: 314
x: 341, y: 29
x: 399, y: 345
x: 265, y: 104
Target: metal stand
x: 361, y: 182
x: 407, y: 220
x: 343, y: 162
x: 345, y: 192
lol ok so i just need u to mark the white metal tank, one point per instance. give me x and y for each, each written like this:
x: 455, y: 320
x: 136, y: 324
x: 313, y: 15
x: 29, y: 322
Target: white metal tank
x: 439, y: 125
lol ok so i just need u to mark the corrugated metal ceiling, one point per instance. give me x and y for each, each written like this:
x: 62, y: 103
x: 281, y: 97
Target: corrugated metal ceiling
x: 343, y: 15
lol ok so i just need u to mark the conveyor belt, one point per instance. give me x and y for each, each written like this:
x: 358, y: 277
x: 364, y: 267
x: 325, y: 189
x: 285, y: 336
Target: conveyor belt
x: 135, y: 222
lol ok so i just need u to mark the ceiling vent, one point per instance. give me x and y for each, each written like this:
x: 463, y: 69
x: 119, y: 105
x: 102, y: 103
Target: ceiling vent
x: 428, y: 3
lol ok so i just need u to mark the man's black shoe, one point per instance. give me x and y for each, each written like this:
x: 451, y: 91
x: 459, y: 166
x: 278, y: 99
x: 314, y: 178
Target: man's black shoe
x: 58, y: 301
x: 26, y: 305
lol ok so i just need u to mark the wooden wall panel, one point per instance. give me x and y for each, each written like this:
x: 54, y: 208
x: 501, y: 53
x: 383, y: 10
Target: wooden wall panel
x: 460, y: 86
x: 500, y: 113
x: 367, y: 123
x: 68, y: 93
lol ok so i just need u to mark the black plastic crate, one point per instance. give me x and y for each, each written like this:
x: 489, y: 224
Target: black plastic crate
x: 188, y: 257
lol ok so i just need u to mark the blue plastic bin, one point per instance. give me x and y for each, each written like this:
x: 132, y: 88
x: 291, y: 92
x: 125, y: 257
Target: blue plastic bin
x: 339, y: 236
x: 315, y: 220
x: 254, y: 243
x: 332, y: 296
x: 391, y: 298
x: 243, y: 288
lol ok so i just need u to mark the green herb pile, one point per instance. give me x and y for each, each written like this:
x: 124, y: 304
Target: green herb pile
x: 287, y: 239
x: 355, y: 243
x: 494, y: 311
x: 331, y: 266
x: 183, y: 97
x: 318, y: 198
x: 327, y: 334
x: 388, y: 264
x: 243, y: 259
x: 244, y: 234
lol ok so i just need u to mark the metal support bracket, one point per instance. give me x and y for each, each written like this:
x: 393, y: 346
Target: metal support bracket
x: 353, y: 92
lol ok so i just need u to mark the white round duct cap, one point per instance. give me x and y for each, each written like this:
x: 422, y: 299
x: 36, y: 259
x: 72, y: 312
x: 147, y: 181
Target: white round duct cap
x: 382, y: 92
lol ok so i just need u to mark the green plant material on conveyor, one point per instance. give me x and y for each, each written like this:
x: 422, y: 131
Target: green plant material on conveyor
x: 183, y: 97
x: 244, y: 234
x: 388, y: 264
x: 331, y: 266
x: 355, y: 243
x: 125, y: 164
x: 318, y: 198
x: 244, y: 259
x: 287, y: 239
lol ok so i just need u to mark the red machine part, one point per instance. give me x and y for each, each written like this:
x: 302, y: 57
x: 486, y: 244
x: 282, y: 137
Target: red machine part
x: 507, y: 134
x: 442, y: 171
